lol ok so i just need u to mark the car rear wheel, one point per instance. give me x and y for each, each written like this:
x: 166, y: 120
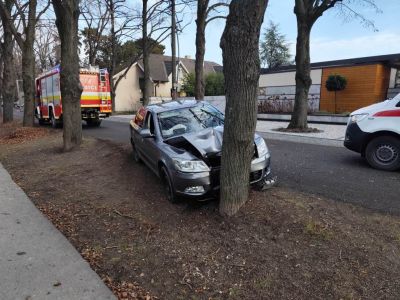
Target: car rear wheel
x: 135, y: 154
x: 384, y: 153
x: 168, y: 187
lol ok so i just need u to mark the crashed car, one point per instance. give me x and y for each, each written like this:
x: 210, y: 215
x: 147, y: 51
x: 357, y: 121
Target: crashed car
x: 181, y: 142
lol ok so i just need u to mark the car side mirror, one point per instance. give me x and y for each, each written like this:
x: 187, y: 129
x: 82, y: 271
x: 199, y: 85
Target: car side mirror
x: 145, y: 133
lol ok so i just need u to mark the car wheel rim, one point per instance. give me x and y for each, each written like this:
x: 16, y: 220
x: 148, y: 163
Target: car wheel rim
x: 386, y: 154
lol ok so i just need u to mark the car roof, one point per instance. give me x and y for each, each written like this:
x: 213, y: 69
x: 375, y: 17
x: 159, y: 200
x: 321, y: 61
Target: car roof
x: 172, y: 105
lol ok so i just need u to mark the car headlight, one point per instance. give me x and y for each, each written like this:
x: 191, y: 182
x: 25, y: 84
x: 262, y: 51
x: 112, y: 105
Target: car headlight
x: 357, y: 118
x: 191, y: 166
x: 262, y: 148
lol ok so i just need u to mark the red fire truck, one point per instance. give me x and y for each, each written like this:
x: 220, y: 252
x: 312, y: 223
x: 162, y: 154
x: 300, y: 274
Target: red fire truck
x: 95, y: 98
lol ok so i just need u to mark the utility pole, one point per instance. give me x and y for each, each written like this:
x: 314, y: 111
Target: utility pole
x: 173, y: 49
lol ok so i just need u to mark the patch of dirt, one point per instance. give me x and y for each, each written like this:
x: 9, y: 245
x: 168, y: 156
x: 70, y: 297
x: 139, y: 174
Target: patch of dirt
x: 281, y: 245
x: 298, y: 130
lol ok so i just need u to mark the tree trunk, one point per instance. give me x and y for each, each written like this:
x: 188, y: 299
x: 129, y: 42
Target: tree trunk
x: 240, y: 44
x: 9, y: 75
x: 28, y: 66
x: 28, y: 81
x: 173, y: 48
x: 303, y: 75
x: 146, y: 54
x: 199, y: 86
x: 113, y: 54
x: 67, y: 14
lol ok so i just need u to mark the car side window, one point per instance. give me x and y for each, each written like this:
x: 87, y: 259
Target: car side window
x: 150, y: 123
x: 398, y: 104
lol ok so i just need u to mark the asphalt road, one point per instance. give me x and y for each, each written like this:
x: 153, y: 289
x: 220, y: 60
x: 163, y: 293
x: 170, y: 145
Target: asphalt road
x: 332, y: 172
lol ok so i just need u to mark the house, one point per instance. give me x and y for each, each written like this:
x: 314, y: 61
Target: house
x: 369, y: 80
x: 129, y: 89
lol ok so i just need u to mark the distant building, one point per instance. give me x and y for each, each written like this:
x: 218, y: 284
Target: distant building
x: 369, y: 80
x: 129, y: 89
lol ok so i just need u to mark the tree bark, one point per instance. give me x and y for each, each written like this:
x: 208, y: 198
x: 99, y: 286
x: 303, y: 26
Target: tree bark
x: 67, y: 14
x: 303, y: 74
x: 173, y: 48
x: 240, y: 44
x: 9, y: 75
x: 146, y: 54
x: 199, y: 85
x: 113, y: 53
x: 28, y: 82
x: 28, y: 66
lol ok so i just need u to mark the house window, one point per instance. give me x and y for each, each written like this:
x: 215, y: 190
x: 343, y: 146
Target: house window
x: 397, y: 80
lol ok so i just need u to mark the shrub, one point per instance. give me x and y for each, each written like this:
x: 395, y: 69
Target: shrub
x: 336, y: 83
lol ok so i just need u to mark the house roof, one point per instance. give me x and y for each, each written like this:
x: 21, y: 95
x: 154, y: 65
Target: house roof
x: 161, y: 66
x: 392, y: 60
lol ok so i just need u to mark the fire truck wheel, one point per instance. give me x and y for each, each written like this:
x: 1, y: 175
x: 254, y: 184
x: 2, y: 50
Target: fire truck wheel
x: 93, y: 122
x: 54, y: 122
x: 383, y: 153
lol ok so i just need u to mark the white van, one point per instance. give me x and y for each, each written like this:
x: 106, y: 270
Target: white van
x: 374, y: 131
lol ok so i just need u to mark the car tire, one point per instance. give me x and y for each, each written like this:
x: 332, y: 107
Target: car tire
x: 135, y: 154
x: 168, y: 186
x: 383, y: 153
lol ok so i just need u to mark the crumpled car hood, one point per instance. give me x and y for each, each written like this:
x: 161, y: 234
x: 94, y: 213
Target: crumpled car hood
x: 206, y: 141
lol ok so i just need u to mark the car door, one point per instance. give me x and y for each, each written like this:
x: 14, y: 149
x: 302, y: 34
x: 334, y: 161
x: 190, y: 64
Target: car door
x: 148, y: 145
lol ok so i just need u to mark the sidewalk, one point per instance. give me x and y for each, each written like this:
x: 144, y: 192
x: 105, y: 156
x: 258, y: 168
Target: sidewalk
x: 331, y: 135
x: 36, y: 260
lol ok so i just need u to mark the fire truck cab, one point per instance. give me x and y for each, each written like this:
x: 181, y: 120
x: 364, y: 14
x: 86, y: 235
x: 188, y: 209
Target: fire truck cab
x: 95, y: 98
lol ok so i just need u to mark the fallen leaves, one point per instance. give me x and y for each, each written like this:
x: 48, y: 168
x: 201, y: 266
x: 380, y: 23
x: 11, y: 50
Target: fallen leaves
x: 127, y: 290
x: 17, y: 135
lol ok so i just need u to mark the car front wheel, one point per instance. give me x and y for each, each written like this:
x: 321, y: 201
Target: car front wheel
x: 384, y: 153
x: 168, y: 187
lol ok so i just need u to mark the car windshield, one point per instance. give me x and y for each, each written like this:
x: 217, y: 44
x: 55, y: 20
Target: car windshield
x: 397, y: 98
x: 191, y: 119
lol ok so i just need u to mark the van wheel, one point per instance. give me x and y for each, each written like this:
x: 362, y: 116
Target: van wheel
x: 168, y: 187
x: 384, y: 153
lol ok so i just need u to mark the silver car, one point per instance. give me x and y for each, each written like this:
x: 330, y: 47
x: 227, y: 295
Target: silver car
x: 181, y: 142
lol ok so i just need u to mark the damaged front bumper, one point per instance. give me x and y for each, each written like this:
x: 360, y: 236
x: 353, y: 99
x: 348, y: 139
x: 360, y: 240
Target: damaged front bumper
x: 205, y: 185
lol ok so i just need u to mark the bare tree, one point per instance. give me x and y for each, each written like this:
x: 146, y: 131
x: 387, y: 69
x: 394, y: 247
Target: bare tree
x: 25, y: 41
x: 173, y: 48
x: 205, y: 15
x: 154, y: 18
x: 241, y: 62
x: 96, y: 15
x: 1, y: 71
x: 157, y: 30
x: 307, y: 13
x: 118, y: 11
x: 67, y: 16
x: 9, y: 76
x: 46, y: 45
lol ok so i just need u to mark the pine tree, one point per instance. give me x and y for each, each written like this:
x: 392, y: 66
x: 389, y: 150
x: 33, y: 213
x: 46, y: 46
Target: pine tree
x: 274, y: 50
